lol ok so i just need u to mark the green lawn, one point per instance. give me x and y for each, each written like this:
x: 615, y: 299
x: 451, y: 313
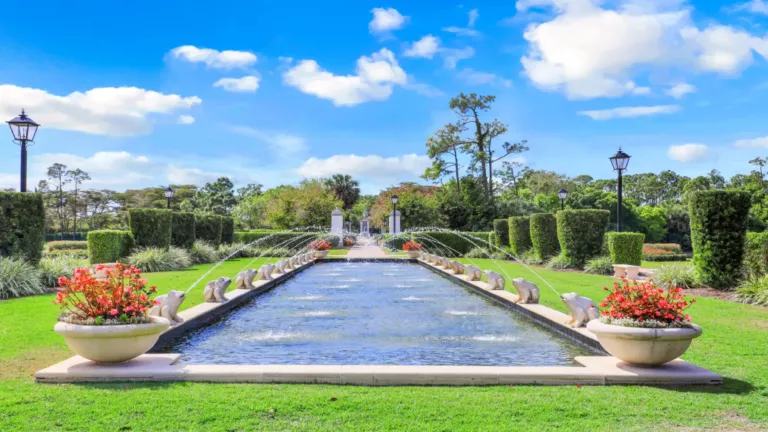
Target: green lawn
x: 734, y: 344
x: 338, y: 252
x: 657, y: 264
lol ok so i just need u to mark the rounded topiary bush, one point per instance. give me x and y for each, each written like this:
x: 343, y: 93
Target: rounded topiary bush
x: 151, y: 227
x: 519, y: 234
x: 501, y: 232
x: 183, y: 230
x: 625, y: 247
x: 544, y: 235
x: 718, y: 234
x: 580, y: 233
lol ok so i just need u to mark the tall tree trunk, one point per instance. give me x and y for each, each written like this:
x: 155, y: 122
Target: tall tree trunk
x: 456, y: 170
x: 481, y: 151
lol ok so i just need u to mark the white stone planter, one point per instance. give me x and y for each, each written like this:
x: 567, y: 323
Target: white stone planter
x: 112, y: 343
x: 644, y: 346
x: 321, y: 254
x: 412, y: 254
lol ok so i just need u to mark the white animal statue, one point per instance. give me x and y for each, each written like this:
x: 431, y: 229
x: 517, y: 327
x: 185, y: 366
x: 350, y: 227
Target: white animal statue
x: 214, y: 291
x: 265, y: 272
x: 245, y: 279
x: 280, y: 266
x: 446, y: 263
x: 458, y: 268
x: 295, y: 261
x: 288, y: 264
x: 495, y: 280
x: 167, y: 306
x: 473, y: 273
x: 582, y: 309
x: 527, y: 292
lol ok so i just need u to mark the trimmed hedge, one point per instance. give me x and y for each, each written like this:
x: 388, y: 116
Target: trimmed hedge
x: 544, y: 235
x: 668, y: 257
x: 287, y: 240
x: 445, y: 243
x: 22, y: 225
x: 626, y: 247
x: 756, y: 254
x: 183, y: 230
x: 482, y: 235
x: 108, y: 246
x: 67, y: 245
x: 501, y: 231
x: 151, y: 227
x: 580, y: 233
x: 208, y: 228
x: 718, y: 234
x: 520, y: 234
x: 227, y: 230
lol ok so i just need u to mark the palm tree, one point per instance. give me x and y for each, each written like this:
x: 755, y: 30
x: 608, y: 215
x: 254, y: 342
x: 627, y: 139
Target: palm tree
x: 345, y: 188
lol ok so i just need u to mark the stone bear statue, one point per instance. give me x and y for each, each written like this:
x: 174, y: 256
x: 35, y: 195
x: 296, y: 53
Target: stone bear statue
x: 167, y: 306
x: 214, y: 291
x: 265, y: 272
x: 473, y: 273
x: 495, y: 280
x: 245, y: 279
x: 582, y: 309
x: 280, y: 266
x: 527, y: 292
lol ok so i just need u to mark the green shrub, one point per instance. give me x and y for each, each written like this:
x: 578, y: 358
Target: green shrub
x: 482, y: 237
x: 71, y: 253
x: 676, y: 275
x: 756, y: 255
x: 208, y: 228
x: 289, y: 240
x: 108, y: 246
x: 52, y: 267
x: 67, y: 245
x: 391, y: 241
x: 271, y: 252
x: 155, y: 259
x: 626, y: 247
x: 601, y: 265
x: 22, y: 225
x: 754, y: 290
x: 203, y: 252
x: 718, y: 234
x: 447, y: 243
x: 669, y: 247
x: 492, y: 238
x: 667, y: 257
x: 560, y: 262
x: 18, y: 278
x: 479, y: 252
x: 183, y: 229
x: 519, y: 234
x: 234, y: 250
x: 580, y: 233
x: 544, y: 235
x: 151, y: 227
x: 530, y: 258
x: 501, y: 232
x: 227, y: 230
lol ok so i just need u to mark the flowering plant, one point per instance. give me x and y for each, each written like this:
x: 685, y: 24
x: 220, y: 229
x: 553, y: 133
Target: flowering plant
x: 122, y: 297
x: 320, y: 245
x: 630, y: 303
x: 348, y: 242
x: 411, y: 245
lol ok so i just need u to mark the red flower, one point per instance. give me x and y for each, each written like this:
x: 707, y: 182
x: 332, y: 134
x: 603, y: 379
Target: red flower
x: 643, y: 301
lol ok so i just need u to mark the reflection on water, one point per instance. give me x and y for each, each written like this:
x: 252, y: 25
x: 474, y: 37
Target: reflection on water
x: 361, y: 313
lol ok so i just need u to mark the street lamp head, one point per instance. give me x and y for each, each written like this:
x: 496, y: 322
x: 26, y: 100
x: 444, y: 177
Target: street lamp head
x: 395, y: 199
x: 562, y: 193
x: 620, y: 160
x: 169, y: 192
x: 23, y: 128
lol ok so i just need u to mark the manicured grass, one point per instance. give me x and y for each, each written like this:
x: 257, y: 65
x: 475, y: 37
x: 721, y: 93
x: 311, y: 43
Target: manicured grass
x: 734, y: 344
x: 657, y: 264
x: 338, y: 252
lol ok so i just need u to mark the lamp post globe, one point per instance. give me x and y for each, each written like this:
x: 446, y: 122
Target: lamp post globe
x: 620, y: 162
x: 562, y: 194
x: 168, y: 195
x: 24, y: 130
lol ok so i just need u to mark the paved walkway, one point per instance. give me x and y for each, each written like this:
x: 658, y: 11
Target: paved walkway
x: 366, y: 248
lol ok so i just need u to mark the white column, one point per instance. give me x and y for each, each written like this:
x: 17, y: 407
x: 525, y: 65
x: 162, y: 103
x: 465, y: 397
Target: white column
x: 337, y: 226
x: 394, y: 222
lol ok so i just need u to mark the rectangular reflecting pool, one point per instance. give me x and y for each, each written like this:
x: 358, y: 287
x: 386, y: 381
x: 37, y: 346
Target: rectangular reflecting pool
x: 374, y: 314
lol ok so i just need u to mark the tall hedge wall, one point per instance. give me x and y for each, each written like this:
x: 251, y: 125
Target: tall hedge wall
x: 501, y: 231
x: 208, y: 228
x: 183, y: 230
x: 718, y: 234
x: 151, y: 227
x: 108, y: 246
x: 22, y: 225
x: 227, y: 230
x: 756, y: 254
x: 580, y: 233
x: 544, y: 235
x: 519, y: 234
x: 626, y: 247
x: 484, y: 236
x: 446, y: 243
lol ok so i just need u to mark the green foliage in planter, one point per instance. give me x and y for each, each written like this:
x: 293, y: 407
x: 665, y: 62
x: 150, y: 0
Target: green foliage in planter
x: 718, y: 234
x: 108, y: 246
x: 183, y: 230
x: 501, y: 232
x: 544, y: 235
x: 756, y: 254
x: 580, y: 233
x: 67, y: 245
x: 626, y: 247
x: 446, y: 243
x: 208, y: 228
x: 22, y: 225
x: 519, y: 234
x: 151, y: 227
x: 227, y: 230
x: 18, y: 278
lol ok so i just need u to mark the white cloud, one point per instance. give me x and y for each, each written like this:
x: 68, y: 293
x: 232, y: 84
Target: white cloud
x: 688, y: 152
x: 371, y: 166
x: 374, y: 80
x: 214, y: 59
x: 462, y: 31
x: 628, y: 112
x: 426, y: 47
x: 754, y: 6
x: 679, y: 90
x: 280, y: 143
x: 473, y: 16
x: 109, y: 169
x: 724, y: 49
x: 452, y: 56
x: 761, y: 142
x: 386, y: 20
x: 117, y: 111
x: 637, y: 90
x: 423, y: 89
x: 185, y: 175
x: 186, y: 119
x: 473, y: 77
x: 245, y: 84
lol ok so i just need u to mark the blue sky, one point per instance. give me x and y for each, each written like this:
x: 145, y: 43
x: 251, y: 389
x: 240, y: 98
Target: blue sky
x: 270, y: 92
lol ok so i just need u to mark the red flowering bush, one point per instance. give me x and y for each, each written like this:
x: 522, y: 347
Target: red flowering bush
x: 411, y: 245
x: 348, y: 242
x: 123, y: 296
x: 645, y: 302
x: 320, y: 245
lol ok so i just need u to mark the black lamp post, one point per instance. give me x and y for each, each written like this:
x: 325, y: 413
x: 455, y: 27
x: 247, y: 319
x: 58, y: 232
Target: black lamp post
x: 395, y: 200
x: 563, y: 194
x: 168, y: 195
x: 620, y: 161
x: 23, y: 129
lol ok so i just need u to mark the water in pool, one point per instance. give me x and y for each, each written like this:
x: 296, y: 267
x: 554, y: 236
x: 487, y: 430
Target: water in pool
x: 374, y: 313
